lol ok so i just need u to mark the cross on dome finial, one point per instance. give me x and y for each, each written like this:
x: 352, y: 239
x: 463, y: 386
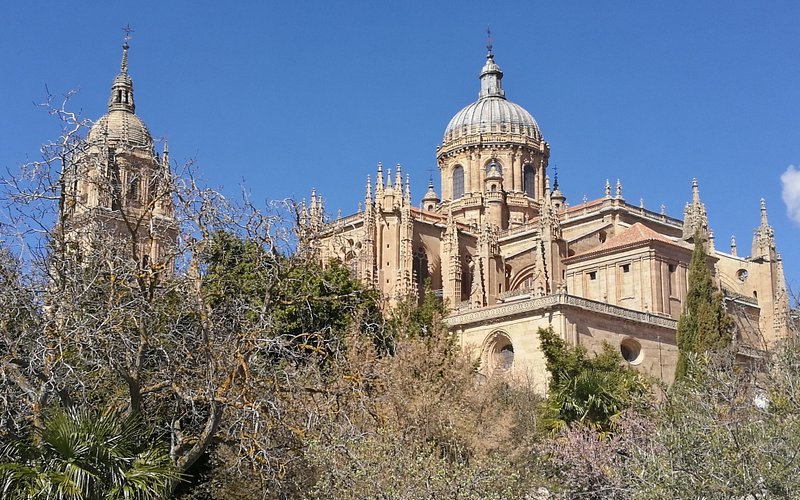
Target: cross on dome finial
x: 127, y: 30
x: 489, y: 41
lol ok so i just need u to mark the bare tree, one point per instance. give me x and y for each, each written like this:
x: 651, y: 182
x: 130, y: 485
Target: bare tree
x: 88, y: 319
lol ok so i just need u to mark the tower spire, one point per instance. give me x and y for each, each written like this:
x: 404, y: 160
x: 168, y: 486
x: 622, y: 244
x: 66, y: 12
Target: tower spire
x: 694, y: 216
x: 763, y: 238
x: 123, y: 67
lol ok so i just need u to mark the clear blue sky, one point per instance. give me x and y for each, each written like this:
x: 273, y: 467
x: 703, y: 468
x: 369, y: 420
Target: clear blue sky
x: 283, y: 97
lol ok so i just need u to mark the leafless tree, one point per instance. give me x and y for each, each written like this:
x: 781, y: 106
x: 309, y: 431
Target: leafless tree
x: 86, y: 318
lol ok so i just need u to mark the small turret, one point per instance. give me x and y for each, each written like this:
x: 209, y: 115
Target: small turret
x: 430, y: 201
x: 557, y: 198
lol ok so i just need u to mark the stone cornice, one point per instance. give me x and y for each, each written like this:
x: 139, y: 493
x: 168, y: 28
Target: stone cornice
x: 505, y: 140
x: 555, y: 301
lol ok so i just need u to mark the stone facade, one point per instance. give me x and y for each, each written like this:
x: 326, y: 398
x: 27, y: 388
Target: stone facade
x: 508, y: 254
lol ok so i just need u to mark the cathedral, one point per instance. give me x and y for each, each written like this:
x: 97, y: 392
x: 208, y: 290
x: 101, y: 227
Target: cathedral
x: 500, y: 244
x: 508, y: 255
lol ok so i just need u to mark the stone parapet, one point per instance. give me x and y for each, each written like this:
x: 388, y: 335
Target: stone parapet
x: 559, y: 300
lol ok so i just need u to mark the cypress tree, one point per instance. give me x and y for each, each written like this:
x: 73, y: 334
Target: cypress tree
x: 704, y: 324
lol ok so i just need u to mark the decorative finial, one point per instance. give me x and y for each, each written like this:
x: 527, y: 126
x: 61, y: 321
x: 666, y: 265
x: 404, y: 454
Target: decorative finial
x: 489, y: 41
x: 695, y: 192
x: 662, y: 209
x: 764, y: 222
x: 641, y: 202
x: 555, y: 177
x: 165, y: 154
x: 733, y: 245
x: 379, y: 181
x: 398, y: 178
x: 619, y: 189
x: 608, y: 189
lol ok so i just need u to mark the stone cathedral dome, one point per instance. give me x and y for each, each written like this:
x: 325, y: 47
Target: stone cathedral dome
x: 492, y: 112
x: 120, y: 124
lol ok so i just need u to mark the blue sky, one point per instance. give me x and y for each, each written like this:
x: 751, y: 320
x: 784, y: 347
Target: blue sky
x: 283, y: 97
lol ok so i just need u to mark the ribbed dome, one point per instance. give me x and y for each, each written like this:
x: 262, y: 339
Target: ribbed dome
x: 120, y: 126
x: 492, y: 112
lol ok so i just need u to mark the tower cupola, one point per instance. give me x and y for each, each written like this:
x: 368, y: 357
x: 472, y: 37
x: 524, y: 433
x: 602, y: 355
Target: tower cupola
x: 121, y: 97
x: 121, y: 125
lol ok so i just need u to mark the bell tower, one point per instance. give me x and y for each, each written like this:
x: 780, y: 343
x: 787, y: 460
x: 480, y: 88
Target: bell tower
x: 118, y: 190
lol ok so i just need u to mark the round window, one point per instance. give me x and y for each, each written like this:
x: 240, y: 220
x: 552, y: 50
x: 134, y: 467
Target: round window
x: 742, y: 275
x: 631, y: 351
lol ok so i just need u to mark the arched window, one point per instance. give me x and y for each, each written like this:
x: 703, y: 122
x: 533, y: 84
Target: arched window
x: 134, y: 185
x: 528, y: 184
x: 458, y: 182
x: 498, y: 353
x: 420, y: 269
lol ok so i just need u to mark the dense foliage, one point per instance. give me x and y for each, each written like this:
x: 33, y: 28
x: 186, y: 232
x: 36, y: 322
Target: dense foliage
x: 80, y: 454
x: 590, y: 390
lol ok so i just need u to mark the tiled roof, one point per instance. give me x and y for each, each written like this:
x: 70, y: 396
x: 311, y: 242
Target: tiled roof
x: 635, y: 234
